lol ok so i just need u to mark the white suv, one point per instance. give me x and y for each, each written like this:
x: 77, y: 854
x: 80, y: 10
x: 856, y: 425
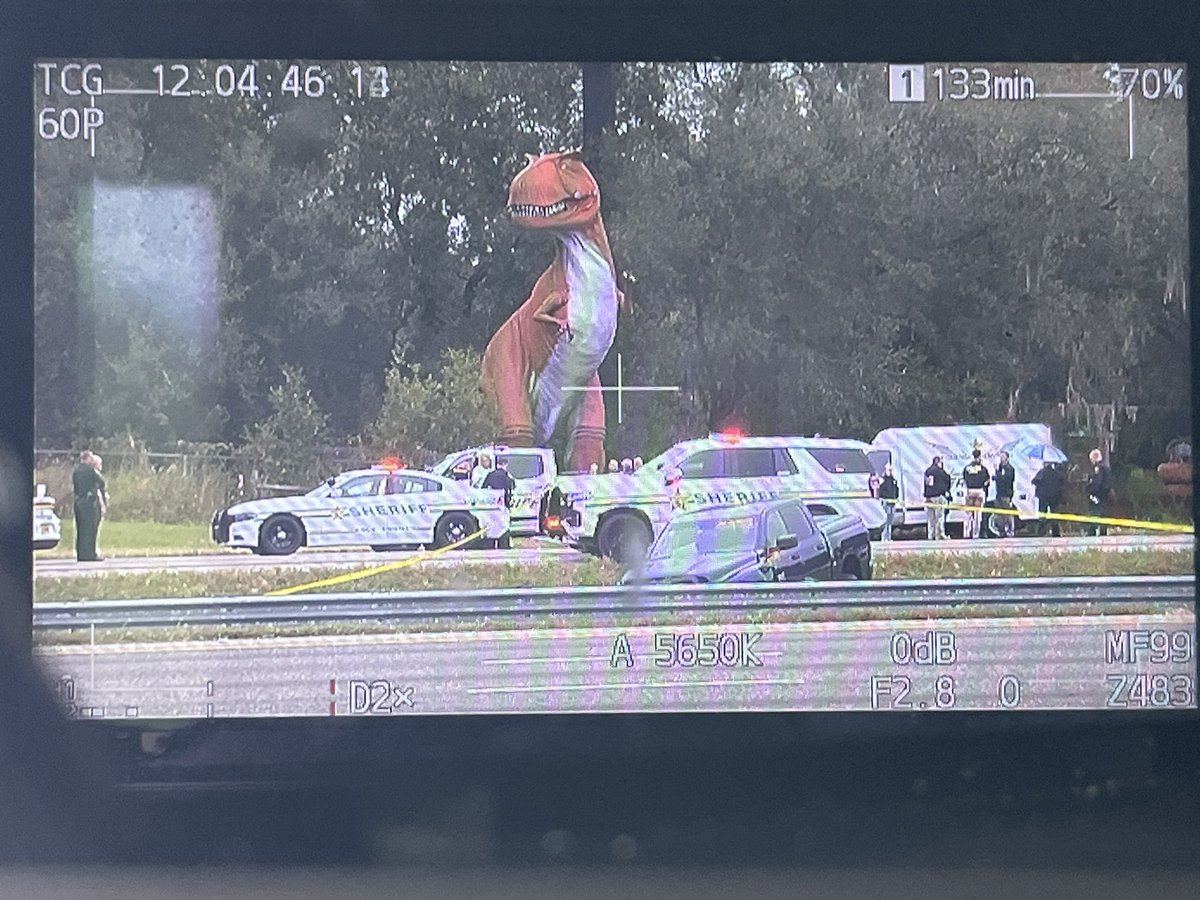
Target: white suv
x: 617, y: 515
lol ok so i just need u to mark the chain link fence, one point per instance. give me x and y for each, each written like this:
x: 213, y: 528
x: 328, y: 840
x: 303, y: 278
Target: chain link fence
x: 186, y: 486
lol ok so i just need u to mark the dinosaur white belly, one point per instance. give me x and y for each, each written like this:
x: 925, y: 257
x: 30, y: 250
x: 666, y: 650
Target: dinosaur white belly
x: 592, y: 316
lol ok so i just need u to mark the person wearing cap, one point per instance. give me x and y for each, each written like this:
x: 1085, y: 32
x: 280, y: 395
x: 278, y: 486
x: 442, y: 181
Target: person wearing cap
x: 1100, y: 489
x: 976, y: 478
x: 937, y: 491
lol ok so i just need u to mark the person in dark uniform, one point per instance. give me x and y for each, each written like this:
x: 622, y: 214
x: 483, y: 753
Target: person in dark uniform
x: 889, y: 493
x: 975, y: 477
x: 1048, y: 485
x: 1099, y: 488
x: 937, y: 494
x: 498, y: 479
x: 1005, y: 479
x: 88, y: 499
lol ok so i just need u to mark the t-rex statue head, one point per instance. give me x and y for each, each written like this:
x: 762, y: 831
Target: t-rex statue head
x: 554, y: 191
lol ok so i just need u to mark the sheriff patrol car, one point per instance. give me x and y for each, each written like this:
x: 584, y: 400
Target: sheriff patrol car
x: 47, y: 527
x: 617, y: 515
x: 532, y: 468
x: 383, y: 507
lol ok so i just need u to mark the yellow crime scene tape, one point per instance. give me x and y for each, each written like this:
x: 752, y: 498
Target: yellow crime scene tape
x: 1071, y: 517
x: 374, y: 570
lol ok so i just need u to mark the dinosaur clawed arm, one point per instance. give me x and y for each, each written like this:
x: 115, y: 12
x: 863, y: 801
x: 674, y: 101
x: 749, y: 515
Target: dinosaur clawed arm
x: 554, y: 301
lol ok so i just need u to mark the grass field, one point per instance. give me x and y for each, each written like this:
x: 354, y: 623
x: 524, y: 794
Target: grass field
x: 119, y: 538
x: 255, y: 582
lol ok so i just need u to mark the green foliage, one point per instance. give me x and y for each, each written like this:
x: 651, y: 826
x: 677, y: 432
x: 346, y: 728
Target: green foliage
x: 289, y: 440
x: 1033, y: 565
x: 426, y: 416
x: 1148, y: 499
x: 804, y: 255
x: 258, y: 581
x: 141, y: 489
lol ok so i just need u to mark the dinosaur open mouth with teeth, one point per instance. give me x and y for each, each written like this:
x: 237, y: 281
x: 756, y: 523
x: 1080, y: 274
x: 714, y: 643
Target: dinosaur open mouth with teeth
x: 530, y: 210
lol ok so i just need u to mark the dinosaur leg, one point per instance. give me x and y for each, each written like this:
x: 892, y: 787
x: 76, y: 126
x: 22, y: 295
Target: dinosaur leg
x: 505, y: 379
x: 585, y: 444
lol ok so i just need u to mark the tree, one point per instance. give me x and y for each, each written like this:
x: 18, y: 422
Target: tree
x: 426, y: 416
x: 290, y: 439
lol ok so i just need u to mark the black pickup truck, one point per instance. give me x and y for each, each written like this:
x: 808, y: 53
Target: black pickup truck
x: 778, y: 540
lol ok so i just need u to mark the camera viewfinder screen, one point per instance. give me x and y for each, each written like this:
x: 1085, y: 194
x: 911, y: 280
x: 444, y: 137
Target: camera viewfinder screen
x: 383, y: 388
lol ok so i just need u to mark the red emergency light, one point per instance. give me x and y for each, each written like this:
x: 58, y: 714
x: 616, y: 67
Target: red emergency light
x: 729, y: 435
x: 391, y: 463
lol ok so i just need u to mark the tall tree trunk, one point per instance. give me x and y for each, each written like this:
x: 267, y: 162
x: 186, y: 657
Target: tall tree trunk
x: 599, y: 111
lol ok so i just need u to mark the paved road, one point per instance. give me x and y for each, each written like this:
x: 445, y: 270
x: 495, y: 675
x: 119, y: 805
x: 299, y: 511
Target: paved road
x: 542, y: 550
x: 598, y: 663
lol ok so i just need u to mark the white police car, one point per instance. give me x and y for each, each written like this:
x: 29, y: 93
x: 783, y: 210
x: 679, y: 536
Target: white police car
x: 384, y: 508
x: 618, y: 515
x: 47, y: 527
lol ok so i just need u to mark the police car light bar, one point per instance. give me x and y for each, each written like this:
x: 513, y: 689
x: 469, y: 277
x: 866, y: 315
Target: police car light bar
x: 731, y: 436
x: 391, y: 463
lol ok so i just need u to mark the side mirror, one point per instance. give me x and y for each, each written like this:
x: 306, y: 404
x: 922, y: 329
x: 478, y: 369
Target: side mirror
x: 787, y: 542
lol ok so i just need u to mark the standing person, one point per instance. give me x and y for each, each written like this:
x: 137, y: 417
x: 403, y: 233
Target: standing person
x: 1099, y: 488
x: 627, y: 466
x: 637, y: 463
x: 937, y: 489
x: 88, y: 490
x: 1006, y: 477
x: 482, y: 469
x: 1048, y: 486
x: 613, y: 467
x: 593, y: 469
x: 976, y: 478
x: 498, y: 479
x: 889, y: 493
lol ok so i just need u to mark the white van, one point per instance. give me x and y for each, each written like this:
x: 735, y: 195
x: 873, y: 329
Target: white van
x: 608, y: 512
x: 911, y: 451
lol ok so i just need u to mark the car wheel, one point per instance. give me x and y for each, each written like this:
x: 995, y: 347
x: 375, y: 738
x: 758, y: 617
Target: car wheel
x: 624, y: 538
x: 851, y: 570
x: 453, y: 527
x: 280, y: 536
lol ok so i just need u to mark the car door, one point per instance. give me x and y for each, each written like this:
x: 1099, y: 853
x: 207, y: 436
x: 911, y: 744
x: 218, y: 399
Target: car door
x: 353, y: 518
x: 412, y: 508
x: 731, y: 475
x: 811, y: 557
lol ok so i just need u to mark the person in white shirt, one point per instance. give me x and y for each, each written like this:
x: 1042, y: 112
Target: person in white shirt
x: 482, y: 469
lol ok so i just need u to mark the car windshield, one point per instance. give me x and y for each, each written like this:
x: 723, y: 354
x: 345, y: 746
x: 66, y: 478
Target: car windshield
x: 671, y: 457
x: 523, y: 465
x: 707, y: 535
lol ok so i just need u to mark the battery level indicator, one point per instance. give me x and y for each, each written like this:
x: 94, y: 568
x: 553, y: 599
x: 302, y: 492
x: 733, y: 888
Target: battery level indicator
x: 906, y: 84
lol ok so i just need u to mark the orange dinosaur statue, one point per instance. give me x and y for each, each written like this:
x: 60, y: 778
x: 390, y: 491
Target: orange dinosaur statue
x: 557, y: 338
